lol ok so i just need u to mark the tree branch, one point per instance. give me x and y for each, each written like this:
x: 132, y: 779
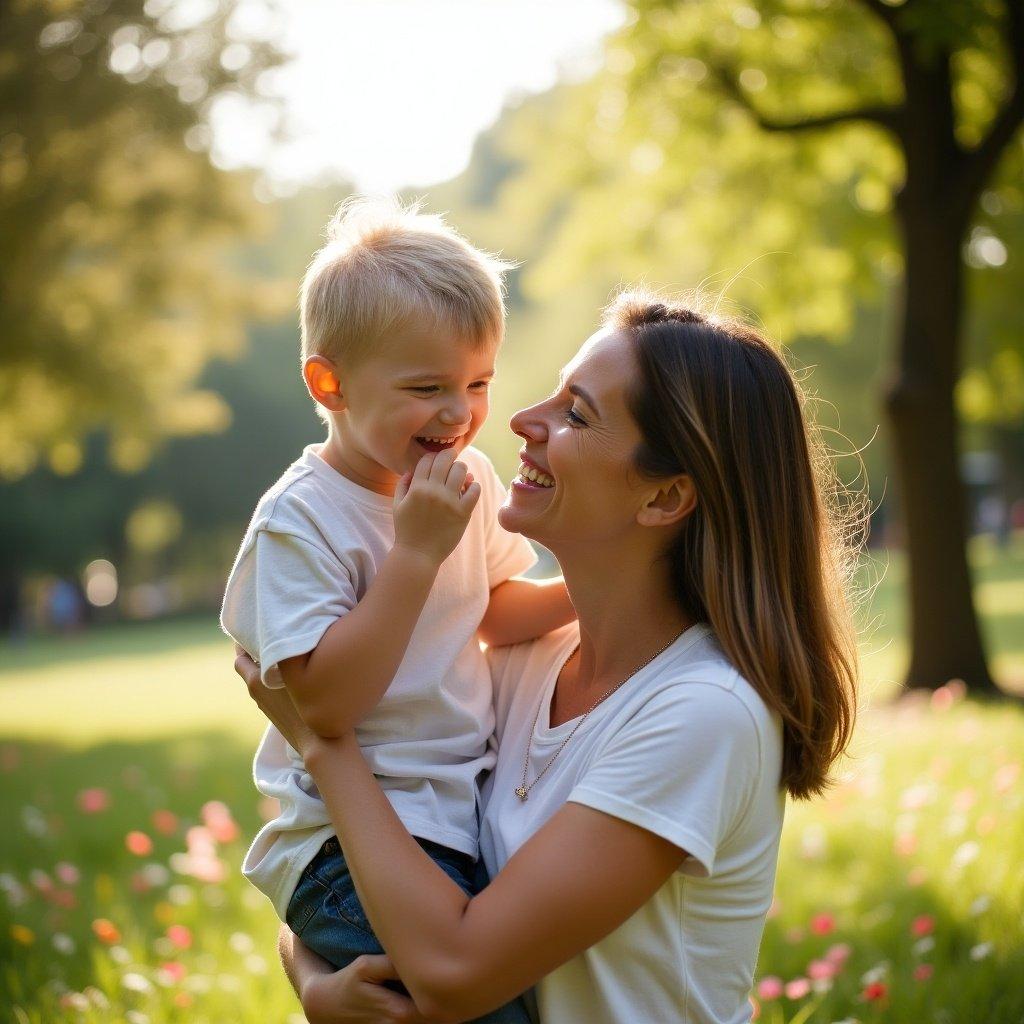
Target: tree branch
x: 980, y: 162
x: 886, y: 115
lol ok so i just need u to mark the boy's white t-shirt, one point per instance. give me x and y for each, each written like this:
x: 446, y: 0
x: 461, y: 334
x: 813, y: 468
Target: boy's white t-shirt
x: 312, y: 549
x: 687, y: 750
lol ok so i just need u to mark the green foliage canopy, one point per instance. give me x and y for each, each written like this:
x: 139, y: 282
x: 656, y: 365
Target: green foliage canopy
x: 116, y: 285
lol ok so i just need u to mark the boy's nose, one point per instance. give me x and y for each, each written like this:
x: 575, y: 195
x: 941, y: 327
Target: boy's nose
x: 455, y: 413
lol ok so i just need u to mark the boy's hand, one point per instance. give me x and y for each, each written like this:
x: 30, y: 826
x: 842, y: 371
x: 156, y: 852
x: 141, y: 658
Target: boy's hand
x: 433, y: 505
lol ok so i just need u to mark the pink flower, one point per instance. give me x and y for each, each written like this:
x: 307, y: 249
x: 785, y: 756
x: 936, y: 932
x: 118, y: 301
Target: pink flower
x: 138, y: 843
x: 797, y: 988
x: 838, y: 954
x: 823, y: 924
x: 173, y: 970
x: 922, y: 972
x: 217, y: 818
x: 180, y: 936
x: 922, y: 925
x: 92, y: 801
x: 822, y: 970
x: 770, y: 987
x: 1006, y: 776
x: 67, y: 873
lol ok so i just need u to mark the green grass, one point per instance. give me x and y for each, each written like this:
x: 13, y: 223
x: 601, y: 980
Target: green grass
x: 925, y: 825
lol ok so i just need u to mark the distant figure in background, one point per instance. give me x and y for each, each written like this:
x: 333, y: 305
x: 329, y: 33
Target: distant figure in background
x: 64, y: 606
x: 371, y: 567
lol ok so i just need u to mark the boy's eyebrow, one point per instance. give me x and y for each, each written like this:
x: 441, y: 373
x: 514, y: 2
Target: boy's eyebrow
x: 431, y: 375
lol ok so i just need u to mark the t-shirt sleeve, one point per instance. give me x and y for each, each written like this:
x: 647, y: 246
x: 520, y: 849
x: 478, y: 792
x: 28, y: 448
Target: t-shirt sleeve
x: 508, y: 554
x: 283, y: 594
x: 685, y: 767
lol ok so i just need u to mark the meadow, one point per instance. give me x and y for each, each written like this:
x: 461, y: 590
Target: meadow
x: 127, y: 803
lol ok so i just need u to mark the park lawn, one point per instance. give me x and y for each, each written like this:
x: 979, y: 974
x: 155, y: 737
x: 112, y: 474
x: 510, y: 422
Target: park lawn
x: 125, y: 788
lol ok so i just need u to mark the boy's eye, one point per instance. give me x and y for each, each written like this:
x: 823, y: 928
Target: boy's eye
x: 426, y: 389
x: 481, y: 385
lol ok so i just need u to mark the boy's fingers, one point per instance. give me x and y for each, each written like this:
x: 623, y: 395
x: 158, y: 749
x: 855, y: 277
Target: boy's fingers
x: 470, y: 496
x: 402, y: 487
x: 467, y: 481
x: 442, y: 464
x: 422, y: 470
x: 457, y: 476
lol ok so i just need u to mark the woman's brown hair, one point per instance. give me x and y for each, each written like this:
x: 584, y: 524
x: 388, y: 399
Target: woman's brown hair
x: 766, y: 556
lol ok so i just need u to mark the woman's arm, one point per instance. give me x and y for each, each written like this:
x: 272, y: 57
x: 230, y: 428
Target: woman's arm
x: 564, y: 890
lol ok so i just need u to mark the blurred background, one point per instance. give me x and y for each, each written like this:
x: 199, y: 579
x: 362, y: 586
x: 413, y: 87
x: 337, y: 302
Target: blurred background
x: 849, y: 174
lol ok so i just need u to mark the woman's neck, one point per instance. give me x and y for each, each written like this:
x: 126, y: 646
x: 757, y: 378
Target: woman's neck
x: 626, y: 611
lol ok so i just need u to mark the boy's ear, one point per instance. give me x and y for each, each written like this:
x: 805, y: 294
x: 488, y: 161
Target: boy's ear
x: 323, y: 383
x: 671, y: 503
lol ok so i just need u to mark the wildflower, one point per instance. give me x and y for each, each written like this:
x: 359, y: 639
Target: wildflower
x: 63, y: 944
x: 981, y: 950
x: 1005, y: 777
x: 180, y: 935
x: 980, y: 905
x: 67, y: 873
x: 183, y: 1000
x: 93, y: 801
x: 171, y: 972
x: 922, y: 925
x: 217, y: 818
x: 165, y: 822
x: 136, y: 982
x: 922, y: 972
x: 874, y: 992
x: 74, y: 1001
x: 823, y: 924
x: 964, y: 854
x: 106, y: 931
x: 22, y: 935
x: 138, y: 843
x: 770, y: 987
x: 905, y: 844
x: 838, y: 954
x: 822, y: 970
x: 797, y: 988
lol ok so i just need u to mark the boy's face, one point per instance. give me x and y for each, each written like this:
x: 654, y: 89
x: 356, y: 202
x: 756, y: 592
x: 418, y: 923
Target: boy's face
x: 422, y: 391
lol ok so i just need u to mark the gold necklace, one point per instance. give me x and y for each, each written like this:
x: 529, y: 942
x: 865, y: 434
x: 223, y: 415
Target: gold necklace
x: 523, y: 790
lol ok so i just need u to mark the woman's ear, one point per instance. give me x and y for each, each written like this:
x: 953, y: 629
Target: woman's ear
x: 671, y: 503
x: 323, y: 384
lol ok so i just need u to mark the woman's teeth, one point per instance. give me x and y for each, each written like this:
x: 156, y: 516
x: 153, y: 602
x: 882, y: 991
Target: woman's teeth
x: 535, y: 476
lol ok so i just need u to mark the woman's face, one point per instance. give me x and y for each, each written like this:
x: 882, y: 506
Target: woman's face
x: 581, y: 440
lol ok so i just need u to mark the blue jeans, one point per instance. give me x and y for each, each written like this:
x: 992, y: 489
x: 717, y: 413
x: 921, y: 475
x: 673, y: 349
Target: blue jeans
x: 326, y: 913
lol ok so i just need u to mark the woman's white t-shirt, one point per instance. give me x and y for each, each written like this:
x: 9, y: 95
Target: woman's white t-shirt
x: 687, y: 750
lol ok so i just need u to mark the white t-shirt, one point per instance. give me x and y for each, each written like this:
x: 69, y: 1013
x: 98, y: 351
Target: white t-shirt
x: 687, y: 750
x: 311, y: 551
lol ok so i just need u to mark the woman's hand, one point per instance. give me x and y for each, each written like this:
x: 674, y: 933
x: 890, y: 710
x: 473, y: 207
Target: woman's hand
x: 356, y: 995
x: 276, y: 705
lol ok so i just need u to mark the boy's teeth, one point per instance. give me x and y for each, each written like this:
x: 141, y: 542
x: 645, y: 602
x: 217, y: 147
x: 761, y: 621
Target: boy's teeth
x: 535, y: 476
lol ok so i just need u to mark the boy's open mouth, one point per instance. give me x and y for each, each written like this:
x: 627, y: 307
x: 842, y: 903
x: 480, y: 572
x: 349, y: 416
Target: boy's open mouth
x: 436, y: 444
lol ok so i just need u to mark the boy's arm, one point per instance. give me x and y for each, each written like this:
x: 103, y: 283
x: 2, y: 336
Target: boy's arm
x: 521, y: 609
x: 337, y: 683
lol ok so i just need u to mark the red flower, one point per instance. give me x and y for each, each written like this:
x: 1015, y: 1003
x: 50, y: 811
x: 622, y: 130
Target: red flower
x: 875, y: 992
x: 823, y: 924
x: 922, y: 972
x: 180, y: 936
x: 139, y: 843
x: 923, y: 925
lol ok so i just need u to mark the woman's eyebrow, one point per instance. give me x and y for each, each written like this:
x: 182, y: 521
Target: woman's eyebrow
x: 575, y: 389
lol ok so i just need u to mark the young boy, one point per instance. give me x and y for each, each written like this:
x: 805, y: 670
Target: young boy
x: 368, y: 574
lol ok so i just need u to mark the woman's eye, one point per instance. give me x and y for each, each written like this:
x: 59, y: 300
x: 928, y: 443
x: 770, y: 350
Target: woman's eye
x: 574, y: 419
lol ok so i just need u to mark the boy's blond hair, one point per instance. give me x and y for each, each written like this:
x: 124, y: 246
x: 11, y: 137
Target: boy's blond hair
x: 384, y: 263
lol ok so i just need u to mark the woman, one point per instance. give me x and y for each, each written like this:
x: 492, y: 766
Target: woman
x: 632, y: 822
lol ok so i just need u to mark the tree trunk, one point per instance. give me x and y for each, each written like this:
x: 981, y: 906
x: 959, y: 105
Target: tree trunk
x: 945, y: 640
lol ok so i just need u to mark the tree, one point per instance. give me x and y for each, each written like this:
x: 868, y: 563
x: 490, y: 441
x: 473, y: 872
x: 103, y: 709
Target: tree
x: 723, y: 130
x: 116, y: 284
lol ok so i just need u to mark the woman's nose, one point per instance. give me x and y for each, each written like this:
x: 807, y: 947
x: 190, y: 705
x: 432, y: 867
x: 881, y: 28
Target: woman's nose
x: 530, y: 424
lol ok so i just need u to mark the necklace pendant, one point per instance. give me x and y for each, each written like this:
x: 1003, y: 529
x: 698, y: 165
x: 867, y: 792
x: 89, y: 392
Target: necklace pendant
x: 521, y: 792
